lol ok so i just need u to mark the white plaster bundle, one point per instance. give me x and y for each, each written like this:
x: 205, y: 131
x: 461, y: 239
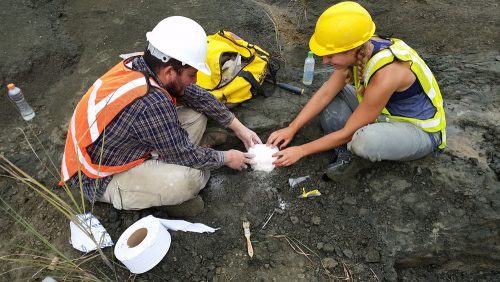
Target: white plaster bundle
x: 263, y: 160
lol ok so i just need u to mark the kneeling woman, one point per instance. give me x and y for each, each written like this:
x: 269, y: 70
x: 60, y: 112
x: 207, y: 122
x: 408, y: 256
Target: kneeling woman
x: 393, y: 112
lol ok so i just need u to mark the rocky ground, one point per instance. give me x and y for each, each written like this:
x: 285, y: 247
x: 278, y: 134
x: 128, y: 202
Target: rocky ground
x: 435, y: 219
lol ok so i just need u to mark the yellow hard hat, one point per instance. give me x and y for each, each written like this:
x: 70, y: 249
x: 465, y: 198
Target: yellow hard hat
x: 343, y: 26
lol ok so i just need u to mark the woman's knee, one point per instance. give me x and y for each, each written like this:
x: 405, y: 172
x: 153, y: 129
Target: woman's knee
x: 366, y: 143
x: 390, y: 141
x: 336, y: 114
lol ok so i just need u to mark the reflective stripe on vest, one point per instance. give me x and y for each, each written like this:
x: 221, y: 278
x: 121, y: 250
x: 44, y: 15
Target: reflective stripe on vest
x: 107, y: 97
x: 403, y: 52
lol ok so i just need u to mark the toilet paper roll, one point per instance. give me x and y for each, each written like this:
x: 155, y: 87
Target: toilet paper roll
x: 143, y: 245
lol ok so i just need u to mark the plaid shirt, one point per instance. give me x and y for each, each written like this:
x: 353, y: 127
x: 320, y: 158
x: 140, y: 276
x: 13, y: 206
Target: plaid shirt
x: 151, y: 123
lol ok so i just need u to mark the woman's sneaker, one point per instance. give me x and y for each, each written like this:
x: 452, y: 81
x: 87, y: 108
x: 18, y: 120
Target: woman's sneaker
x: 346, y: 166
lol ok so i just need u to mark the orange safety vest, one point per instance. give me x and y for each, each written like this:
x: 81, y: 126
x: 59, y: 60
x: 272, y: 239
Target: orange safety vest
x: 109, y: 95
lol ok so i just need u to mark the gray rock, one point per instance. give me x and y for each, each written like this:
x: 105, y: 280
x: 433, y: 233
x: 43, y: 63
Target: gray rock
x: 338, y: 252
x: 279, y: 211
x: 329, y: 263
x: 348, y: 253
x: 209, y: 255
x: 272, y: 247
x: 270, y: 194
x: 255, y: 120
x: 58, y: 136
x: 316, y: 220
x: 136, y: 217
x: 349, y: 200
x: 294, y: 219
x: 204, y: 272
x: 306, y: 219
x: 328, y: 248
x: 419, y: 171
x: 372, y: 255
x: 363, y: 212
x: 369, y: 175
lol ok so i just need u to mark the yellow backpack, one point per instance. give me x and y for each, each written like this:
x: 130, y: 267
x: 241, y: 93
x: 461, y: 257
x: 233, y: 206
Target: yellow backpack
x: 238, y: 68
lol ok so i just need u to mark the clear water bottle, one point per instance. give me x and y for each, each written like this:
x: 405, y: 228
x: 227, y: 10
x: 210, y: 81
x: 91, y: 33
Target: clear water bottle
x: 16, y: 95
x: 308, y: 69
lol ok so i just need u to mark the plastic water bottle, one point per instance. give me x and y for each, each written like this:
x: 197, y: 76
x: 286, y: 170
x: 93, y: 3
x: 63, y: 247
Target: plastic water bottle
x: 308, y: 69
x: 16, y: 95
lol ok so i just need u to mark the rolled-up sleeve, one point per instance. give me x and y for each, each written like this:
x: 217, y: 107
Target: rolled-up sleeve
x: 204, y: 102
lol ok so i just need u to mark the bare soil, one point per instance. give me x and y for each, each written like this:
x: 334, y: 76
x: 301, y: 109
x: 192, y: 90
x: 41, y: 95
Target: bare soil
x: 435, y: 219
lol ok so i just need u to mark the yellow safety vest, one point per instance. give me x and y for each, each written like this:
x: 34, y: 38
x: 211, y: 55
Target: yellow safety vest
x: 401, y: 51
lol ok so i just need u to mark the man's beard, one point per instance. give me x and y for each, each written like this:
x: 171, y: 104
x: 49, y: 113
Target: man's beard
x: 174, y: 88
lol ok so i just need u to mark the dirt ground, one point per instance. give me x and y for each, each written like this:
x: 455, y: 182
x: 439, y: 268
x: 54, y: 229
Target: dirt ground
x: 435, y: 219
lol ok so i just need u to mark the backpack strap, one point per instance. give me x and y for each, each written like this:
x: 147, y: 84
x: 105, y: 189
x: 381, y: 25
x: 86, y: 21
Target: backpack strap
x: 256, y: 87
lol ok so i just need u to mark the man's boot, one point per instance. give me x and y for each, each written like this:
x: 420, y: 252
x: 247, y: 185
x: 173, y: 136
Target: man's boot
x: 187, y: 209
x: 213, y: 137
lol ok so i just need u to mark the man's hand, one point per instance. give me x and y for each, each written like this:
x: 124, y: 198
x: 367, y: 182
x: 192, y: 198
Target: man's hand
x: 237, y: 160
x: 247, y: 136
x: 283, y: 136
x: 288, y: 156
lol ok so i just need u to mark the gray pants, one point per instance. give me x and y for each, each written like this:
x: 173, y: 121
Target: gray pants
x: 396, y: 141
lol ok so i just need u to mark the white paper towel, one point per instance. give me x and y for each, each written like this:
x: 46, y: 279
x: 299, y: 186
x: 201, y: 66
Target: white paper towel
x: 81, y: 241
x: 144, y: 244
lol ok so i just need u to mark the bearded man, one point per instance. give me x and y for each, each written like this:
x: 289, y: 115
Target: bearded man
x: 136, y: 138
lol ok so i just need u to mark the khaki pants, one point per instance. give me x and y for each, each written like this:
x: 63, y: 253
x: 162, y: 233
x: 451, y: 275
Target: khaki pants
x: 155, y: 183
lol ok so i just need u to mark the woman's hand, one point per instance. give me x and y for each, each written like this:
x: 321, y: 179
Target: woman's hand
x: 283, y: 136
x: 289, y: 156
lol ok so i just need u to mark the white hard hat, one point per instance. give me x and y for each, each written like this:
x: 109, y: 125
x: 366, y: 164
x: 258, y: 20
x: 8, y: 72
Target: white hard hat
x: 180, y: 38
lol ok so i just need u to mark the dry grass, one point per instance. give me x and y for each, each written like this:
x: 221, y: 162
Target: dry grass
x: 285, y: 21
x: 298, y: 247
x: 63, y: 201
